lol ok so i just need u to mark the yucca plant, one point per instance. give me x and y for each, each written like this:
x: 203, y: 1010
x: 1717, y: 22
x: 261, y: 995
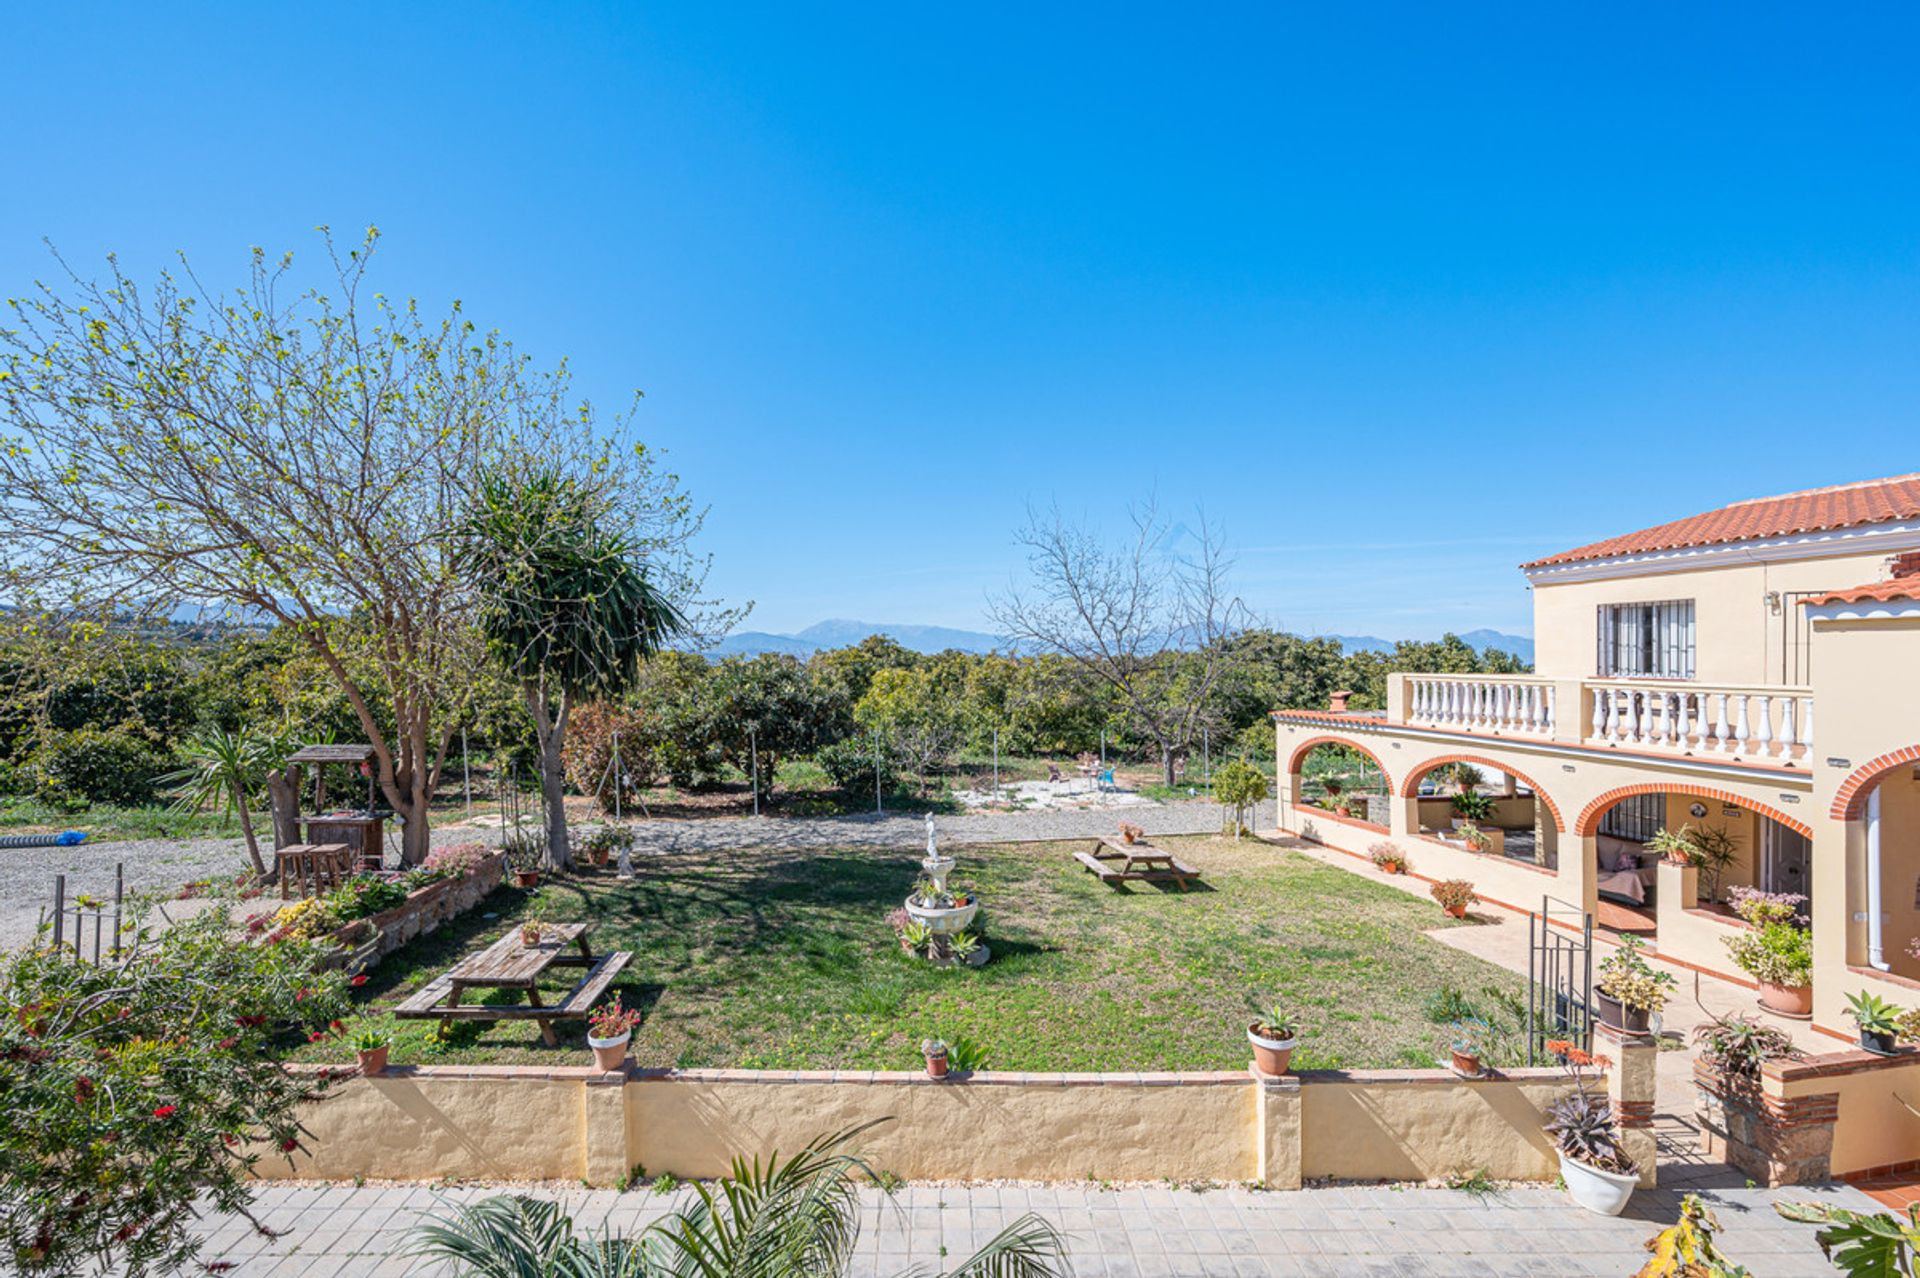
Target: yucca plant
x: 797, y: 1218
x: 224, y: 768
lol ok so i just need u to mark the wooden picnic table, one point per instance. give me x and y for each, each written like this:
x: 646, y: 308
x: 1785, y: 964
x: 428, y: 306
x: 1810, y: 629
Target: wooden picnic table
x: 1138, y: 862
x: 510, y: 963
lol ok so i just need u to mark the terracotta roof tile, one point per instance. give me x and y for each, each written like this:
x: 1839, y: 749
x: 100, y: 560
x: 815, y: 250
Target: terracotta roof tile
x: 1815, y: 510
x: 1879, y: 592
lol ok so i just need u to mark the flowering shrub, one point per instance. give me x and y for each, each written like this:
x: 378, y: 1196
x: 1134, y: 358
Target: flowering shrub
x: 304, y: 920
x: 134, y: 1088
x: 455, y: 859
x: 1453, y: 894
x: 1780, y: 951
x: 1389, y: 857
x: 1761, y: 908
x: 1625, y: 976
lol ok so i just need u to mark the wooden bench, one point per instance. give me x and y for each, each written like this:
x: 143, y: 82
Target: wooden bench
x: 509, y: 964
x: 312, y: 868
x: 1118, y: 863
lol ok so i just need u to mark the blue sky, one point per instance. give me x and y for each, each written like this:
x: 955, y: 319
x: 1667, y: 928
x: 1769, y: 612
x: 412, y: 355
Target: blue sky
x: 1404, y: 296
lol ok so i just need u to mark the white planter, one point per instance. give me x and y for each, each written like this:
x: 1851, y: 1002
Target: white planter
x: 944, y: 922
x: 618, y: 1040
x: 1599, y: 1191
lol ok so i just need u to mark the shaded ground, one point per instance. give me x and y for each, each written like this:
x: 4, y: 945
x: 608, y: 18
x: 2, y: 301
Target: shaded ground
x: 783, y: 959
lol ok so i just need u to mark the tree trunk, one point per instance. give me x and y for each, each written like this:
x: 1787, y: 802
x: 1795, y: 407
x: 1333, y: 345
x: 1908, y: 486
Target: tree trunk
x: 283, y: 794
x: 246, y: 828
x: 549, y: 730
x: 1166, y: 764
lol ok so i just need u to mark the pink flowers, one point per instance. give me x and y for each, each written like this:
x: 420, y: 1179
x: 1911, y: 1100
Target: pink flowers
x: 166, y: 1111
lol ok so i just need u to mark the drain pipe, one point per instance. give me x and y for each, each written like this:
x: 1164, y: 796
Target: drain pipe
x: 1876, y: 948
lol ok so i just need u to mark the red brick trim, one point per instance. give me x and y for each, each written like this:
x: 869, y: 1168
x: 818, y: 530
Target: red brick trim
x: 1300, y: 753
x: 1850, y: 802
x: 1589, y: 822
x: 1835, y: 1064
x: 1337, y: 819
x: 1410, y: 788
x: 1886, y: 1171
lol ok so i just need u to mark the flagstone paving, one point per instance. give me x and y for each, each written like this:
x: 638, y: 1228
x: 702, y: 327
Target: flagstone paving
x: 1334, y: 1232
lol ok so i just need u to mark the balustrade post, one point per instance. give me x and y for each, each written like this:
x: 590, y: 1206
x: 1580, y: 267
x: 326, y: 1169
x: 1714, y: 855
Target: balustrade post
x: 1764, y: 735
x: 1740, y: 730
x: 1806, y: 728
x: 1786, y: 727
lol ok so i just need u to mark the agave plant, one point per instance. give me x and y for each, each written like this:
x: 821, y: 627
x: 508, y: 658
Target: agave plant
x: 798, y: 1218
x: 1581, y: 1124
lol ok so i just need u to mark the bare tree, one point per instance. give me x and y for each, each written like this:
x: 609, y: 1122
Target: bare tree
x: 299, y: 459
x: 1149, y: 617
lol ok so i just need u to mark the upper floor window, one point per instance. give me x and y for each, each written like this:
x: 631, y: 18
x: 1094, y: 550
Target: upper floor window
x: 1647, y: 640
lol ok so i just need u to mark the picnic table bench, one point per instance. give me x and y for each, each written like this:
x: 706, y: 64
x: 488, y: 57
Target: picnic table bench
x: 510, y: 963
x: 1118, y: 863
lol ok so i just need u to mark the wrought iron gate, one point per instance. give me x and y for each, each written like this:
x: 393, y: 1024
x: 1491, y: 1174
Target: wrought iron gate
x: 1559, y: 977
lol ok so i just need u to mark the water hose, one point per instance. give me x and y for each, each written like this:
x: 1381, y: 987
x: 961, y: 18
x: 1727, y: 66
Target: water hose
x: 71, y: 838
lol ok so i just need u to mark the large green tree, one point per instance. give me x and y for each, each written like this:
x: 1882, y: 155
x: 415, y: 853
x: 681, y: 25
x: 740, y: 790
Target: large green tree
x: 567, y: 606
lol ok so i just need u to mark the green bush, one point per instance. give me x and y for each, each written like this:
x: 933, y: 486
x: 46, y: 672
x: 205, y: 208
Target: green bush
x: 849, y: 765
x: 101, y: 765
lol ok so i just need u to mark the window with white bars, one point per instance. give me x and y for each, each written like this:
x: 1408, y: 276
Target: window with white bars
x: 1646, y: 640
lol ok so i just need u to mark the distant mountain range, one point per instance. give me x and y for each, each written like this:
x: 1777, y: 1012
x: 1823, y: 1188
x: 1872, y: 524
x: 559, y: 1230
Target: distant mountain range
x: 841, y: 633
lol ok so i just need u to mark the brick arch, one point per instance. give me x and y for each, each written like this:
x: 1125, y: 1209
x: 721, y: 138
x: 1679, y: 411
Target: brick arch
x: 1300, y: 754
x: 1410, y: 788
x: 1850, y: 804
x: 1589, y: 821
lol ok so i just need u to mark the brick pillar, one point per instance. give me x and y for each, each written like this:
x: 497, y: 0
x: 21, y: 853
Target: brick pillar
x: 603, y: 1112
x: 1775, y: 1137
x: 1276, y: 1130
x: 1630, y: 1088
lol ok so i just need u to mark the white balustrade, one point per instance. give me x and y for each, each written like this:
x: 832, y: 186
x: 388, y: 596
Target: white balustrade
x: 1744, y: 724
x: 1493, y: 704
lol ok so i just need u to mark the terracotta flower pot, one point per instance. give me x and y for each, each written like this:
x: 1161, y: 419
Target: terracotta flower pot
x: 609, y: 1053
x: 1617, y: 1015
x: 1464, y: 1065
x: 375, y: 1061
x: 936, y: 1066
x: 1788, y: 1000
x: 530, y: 936
x: 1271, y: 1056
x: 1455, y: 911
x: 1343, y: 811
x: 526, y: 878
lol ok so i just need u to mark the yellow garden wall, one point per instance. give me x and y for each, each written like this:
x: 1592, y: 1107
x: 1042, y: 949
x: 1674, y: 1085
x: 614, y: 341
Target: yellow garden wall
x: 1875, y: 1128
x: 502, y: 1123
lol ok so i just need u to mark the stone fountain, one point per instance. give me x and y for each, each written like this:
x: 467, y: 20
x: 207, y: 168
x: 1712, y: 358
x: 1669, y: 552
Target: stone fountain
x: 944, y: 922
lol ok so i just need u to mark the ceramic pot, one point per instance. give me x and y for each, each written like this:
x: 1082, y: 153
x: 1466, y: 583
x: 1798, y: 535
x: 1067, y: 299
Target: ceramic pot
x: 936, y: 1067
x: 526, y: 878
x: 1598, y: 1191
x: 1455, y: 911
x: 1880, y: 1044
x: 1617, y: 1015
x: 1270, y: 1055
x: 375, y: 1061
x: 1464, y: 1065
x: 609, y: 1053
x: 530, y: 936
x: 1788, y: 1000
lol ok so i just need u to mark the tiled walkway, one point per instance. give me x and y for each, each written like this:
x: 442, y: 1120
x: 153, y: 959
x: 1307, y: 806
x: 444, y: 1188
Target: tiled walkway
x: 1364, y: 1232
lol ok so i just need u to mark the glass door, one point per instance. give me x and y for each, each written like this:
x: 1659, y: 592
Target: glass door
x: 1786, y: 858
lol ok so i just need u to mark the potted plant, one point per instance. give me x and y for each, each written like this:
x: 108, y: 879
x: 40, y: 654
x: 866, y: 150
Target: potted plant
x: 523, y: 858
x: 1598, y: 1174
x: 1454, y: 895
x: 935, y: 1053
x: 1735, y: 1123
x: 1777, y: 951
x: 1131, y: 833
x: 1471, y: 806
x: 1476, y: 839
x: 533, y: 927
x: 1629, y: 991
x: 370, y: 1047
x: 1471, y: 1036
x: 1879, y: 1021
x: 609, y: 1029
x: 1675, y: 849
x: 1273, y: 1035
x: 1388, y: 858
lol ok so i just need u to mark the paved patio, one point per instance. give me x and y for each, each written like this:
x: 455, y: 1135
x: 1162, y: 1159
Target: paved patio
x: 1346, y: 1232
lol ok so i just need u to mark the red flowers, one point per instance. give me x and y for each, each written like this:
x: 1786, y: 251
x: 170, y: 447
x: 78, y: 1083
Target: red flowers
x: 226, y: 1044
x: 83, y: 1089
x: 166, y: 1111
x: 316, y: 1036
x: 288, y: 1145
x: 358, y: 981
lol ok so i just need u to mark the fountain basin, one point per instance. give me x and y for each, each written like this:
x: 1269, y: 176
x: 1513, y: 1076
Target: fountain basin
x: 944, y: 922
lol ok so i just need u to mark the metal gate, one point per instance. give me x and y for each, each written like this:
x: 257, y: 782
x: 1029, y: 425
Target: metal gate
x: 1559, y: 977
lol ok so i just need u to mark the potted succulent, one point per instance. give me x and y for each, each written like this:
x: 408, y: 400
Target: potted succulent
x: 1454, y: 895
x: 1471, y: 1036
x: 1879, y: 1021
x: 1629, y: 991
x: 1131, y: 833
x: 609, y: 1029
x: 1776, y: 951
x: 523, y: 858
x: 533, y: 928
x: 1273, y: 1035
x: 966, y: 949
x: 1598, y: 1174
x: 370, y: 1047
x: 1388, y: 858
x: 935, y: 1053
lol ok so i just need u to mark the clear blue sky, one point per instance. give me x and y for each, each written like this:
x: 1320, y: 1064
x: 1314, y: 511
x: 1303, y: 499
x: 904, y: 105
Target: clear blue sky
x: 1405, y: 296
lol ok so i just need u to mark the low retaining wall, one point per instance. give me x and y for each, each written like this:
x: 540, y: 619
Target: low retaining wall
x: 365, y: 942
x: 514, y: 1123
x: 1497, y: 879
x: 1848, y: 1114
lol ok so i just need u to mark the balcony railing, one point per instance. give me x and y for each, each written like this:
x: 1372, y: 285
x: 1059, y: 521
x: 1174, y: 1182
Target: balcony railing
x: 1743, y: 724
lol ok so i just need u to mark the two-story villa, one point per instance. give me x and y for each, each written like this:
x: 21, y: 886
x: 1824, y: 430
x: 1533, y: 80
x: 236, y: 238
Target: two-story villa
x: 1753, y: 670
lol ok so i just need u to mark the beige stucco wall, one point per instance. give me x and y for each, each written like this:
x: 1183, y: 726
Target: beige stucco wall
x: 1737, y: 637
x: 1424, y: 1127
x: 1876, y: 1126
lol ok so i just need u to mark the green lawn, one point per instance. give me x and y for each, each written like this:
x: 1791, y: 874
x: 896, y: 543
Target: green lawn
x: 784, y: 960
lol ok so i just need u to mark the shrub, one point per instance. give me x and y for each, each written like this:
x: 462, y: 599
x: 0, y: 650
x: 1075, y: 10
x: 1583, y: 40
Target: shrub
x: 1237, y: 787
x: 588, y: 751
x: 849, y: 765
x: 1453, y: 894
x: 1625, y: 976
x: 102, y: 765
x: 456, y: 858
x: 1389, y: 857
x: 1777, y: 954
x: 143, y: 1093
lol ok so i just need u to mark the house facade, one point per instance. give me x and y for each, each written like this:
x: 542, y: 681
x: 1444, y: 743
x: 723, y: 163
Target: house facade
x: 1753, y: 671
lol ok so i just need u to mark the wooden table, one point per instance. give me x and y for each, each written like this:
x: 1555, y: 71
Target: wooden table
x: 509, y: 963
x: 1137, y: 862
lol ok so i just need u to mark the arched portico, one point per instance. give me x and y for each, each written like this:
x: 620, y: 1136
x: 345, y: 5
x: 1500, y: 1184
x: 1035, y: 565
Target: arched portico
x: 1293, y: 795
x: 1879, y: 804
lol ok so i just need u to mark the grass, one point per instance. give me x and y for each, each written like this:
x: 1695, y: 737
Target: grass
x: 24, y: 813
x: 769, y: 959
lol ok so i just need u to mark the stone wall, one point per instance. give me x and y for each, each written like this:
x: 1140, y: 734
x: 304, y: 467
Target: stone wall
x: 1808, y: 1120
x: 364, y: 942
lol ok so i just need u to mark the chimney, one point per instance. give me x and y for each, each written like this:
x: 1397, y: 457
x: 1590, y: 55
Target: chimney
x: 1337, y: 702
x: 1906, y: 565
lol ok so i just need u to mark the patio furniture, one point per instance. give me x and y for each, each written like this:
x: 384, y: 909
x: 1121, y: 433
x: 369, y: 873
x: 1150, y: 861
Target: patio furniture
x: 509, y: 963
x: 308, y: 869
x: 363, y: 831
x: 1118, y: 863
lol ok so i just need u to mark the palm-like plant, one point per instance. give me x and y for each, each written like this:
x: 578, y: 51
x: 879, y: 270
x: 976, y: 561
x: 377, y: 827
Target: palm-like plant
x: 797, y: 1218
x: 224, y: 768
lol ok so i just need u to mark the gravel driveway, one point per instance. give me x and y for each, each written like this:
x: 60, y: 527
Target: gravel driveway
x: 26, y: 874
